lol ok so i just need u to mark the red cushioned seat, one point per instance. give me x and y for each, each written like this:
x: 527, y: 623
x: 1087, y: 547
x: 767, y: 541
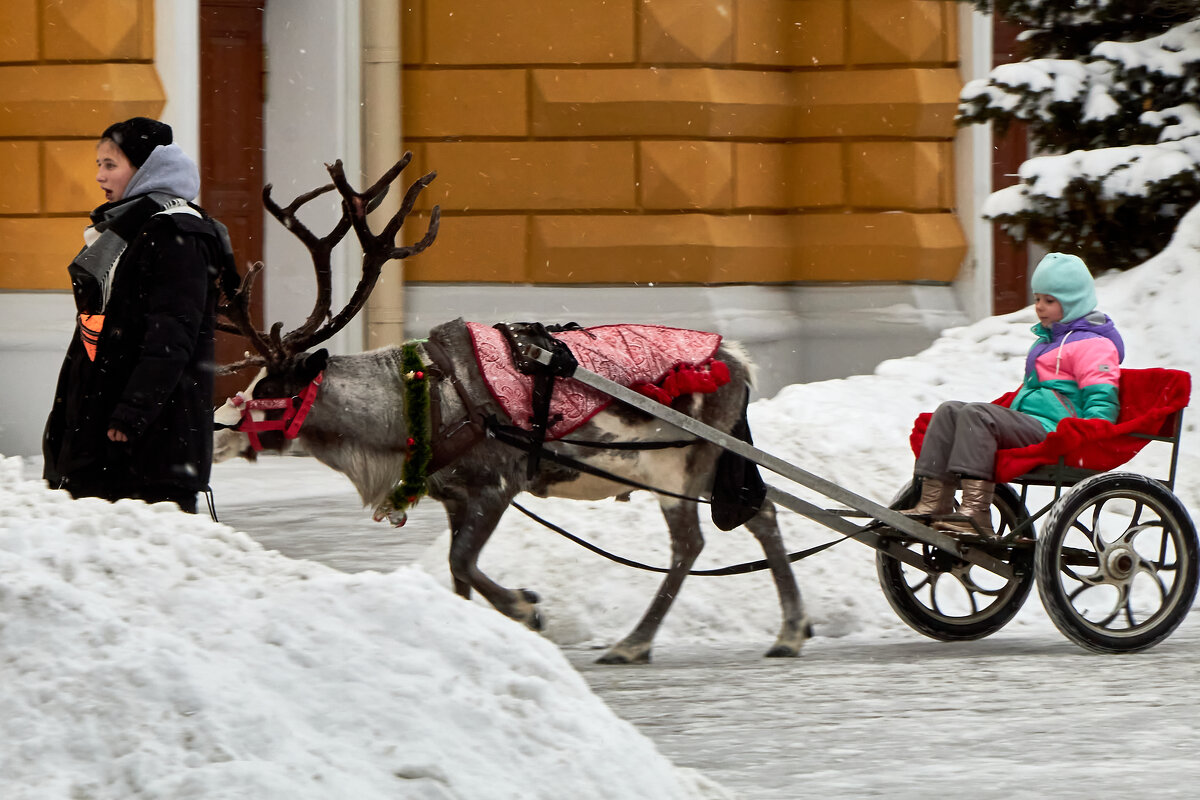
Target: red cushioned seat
x: 1149, y: 400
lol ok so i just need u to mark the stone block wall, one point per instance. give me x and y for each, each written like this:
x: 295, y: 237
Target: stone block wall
x: 69, y: 68
x: 684, y: 141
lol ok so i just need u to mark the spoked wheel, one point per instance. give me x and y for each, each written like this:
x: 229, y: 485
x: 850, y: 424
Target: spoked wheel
x: 948, y: 598
x: 1117, y: 563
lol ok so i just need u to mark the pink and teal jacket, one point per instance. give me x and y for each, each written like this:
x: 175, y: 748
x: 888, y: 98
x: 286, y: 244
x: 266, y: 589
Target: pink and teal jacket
x: 1073, y: 370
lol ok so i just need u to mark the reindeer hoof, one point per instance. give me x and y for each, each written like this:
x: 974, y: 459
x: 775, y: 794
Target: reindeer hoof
x: 782, y: 651
x: 791, y: 638
x: 616, y: 656
x: 524, y: 609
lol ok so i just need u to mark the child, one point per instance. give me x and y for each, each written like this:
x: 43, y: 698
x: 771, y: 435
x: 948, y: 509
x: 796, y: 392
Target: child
x: 1072, y: 370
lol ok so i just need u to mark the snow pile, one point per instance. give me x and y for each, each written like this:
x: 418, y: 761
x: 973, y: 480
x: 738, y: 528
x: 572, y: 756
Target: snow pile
x: 146, y: 653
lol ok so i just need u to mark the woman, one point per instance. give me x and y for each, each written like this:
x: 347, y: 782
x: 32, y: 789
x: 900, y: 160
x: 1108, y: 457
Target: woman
x: 132, y: 413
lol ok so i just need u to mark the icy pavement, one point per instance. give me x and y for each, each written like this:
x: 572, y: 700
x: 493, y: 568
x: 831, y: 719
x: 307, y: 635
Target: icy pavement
x: 1005, y: 717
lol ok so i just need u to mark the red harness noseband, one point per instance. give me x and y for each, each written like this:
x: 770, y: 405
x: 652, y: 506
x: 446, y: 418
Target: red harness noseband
x: 293, y: 415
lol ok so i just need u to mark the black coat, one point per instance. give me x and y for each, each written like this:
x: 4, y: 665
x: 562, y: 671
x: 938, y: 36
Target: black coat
x: 152, y: 377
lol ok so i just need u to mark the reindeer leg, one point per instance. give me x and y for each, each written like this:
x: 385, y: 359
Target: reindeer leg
x: 461, y: 586
x: 686, y: 544
x: 472, y: 521
x: 796, y: 627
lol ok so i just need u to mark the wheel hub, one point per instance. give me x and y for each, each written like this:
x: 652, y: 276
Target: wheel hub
x: 1120, y: 562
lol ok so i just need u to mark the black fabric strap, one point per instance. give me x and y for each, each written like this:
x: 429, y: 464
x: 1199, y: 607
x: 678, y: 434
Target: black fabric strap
x: 522, y: 440
x: 630, y: 445
x: 734, y: 569
x: 562, y: 362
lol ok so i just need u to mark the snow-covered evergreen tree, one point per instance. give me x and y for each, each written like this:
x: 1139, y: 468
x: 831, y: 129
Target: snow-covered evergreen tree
x: 1109, y: 90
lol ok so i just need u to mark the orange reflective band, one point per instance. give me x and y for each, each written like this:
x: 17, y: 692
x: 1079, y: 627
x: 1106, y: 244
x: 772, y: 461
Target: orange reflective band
x: 90, y: 326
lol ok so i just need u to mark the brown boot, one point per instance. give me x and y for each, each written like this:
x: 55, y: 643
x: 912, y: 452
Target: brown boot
x: 937, y: 497
x: 976, y: 506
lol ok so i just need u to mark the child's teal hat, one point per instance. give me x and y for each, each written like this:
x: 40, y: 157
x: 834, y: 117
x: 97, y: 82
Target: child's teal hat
x: 1067, y: 279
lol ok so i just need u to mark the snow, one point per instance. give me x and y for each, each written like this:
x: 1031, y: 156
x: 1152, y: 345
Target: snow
x: 1093, y: 90
x: 147, y: 653
x: 1051, y: 81
x: 1170, y: 53
x: 1176, y: 122
x: 1130, y: 171
x: 151, y: 654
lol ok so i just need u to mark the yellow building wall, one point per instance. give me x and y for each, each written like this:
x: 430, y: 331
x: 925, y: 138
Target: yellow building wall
x: 684, y: 141
x: 625, y: 141
x: 68, y: 69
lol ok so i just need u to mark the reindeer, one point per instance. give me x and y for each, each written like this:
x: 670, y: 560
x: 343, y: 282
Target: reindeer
x: 359, y: 421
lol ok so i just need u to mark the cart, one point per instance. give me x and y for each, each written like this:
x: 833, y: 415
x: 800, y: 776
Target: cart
x: 1116, y: 559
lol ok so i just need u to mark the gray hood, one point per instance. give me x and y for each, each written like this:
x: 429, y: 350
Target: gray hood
x: 168, y: 170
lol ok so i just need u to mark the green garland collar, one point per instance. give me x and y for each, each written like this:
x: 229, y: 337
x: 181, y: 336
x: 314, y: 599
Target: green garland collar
x: 414, y: 480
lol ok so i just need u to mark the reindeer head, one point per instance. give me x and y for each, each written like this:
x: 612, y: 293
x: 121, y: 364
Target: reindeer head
x: 288, y: 370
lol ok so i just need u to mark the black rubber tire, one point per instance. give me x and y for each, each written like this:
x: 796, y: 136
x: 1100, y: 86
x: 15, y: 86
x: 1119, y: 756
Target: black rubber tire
x: 952, y: 612
x: 1137, y: 564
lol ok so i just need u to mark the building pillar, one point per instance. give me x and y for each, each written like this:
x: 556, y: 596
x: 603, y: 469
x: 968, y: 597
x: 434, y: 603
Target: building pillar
x: 382, y: 147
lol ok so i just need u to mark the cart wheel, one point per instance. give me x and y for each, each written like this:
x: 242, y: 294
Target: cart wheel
x: 1117, y: 563
x: 951, y: 599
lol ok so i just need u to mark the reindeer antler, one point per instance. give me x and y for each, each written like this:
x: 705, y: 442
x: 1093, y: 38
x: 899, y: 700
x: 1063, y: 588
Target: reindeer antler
x: 236, y: 308
x: 377, y: 251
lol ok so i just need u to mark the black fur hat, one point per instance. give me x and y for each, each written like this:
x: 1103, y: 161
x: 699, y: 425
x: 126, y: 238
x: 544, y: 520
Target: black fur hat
x: 137, y: 137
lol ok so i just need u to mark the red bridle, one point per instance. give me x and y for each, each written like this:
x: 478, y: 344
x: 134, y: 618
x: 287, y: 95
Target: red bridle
x: 293, y: 414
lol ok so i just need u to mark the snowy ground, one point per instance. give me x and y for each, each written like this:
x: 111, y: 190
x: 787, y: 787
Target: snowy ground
x: 149, y: 654
x: 146, y: 653
x: 882, y: 712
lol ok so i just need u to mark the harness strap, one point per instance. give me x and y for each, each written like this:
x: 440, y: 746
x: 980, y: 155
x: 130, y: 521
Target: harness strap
x: 520, y: 439
x: 456, y: 436
x: 596, y: 445
x: 562, y: 363
x: 293, y: 414
x: 734, y: 569
x: 306, y: 403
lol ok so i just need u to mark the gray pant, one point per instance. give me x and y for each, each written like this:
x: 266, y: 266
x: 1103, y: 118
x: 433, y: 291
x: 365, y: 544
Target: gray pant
x: 962, y: 439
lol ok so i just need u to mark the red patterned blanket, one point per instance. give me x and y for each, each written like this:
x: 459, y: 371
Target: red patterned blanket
x: 655, y: 360
x: 1148, y: 399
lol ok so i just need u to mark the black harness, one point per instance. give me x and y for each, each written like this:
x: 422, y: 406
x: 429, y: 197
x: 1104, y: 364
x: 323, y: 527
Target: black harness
x: 520, y: 335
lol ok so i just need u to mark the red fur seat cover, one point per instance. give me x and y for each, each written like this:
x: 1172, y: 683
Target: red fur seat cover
x: 1148, y: 399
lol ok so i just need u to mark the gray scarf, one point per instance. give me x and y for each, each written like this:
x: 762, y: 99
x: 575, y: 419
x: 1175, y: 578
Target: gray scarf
x: 92, y: 269
x: 162, y: 183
